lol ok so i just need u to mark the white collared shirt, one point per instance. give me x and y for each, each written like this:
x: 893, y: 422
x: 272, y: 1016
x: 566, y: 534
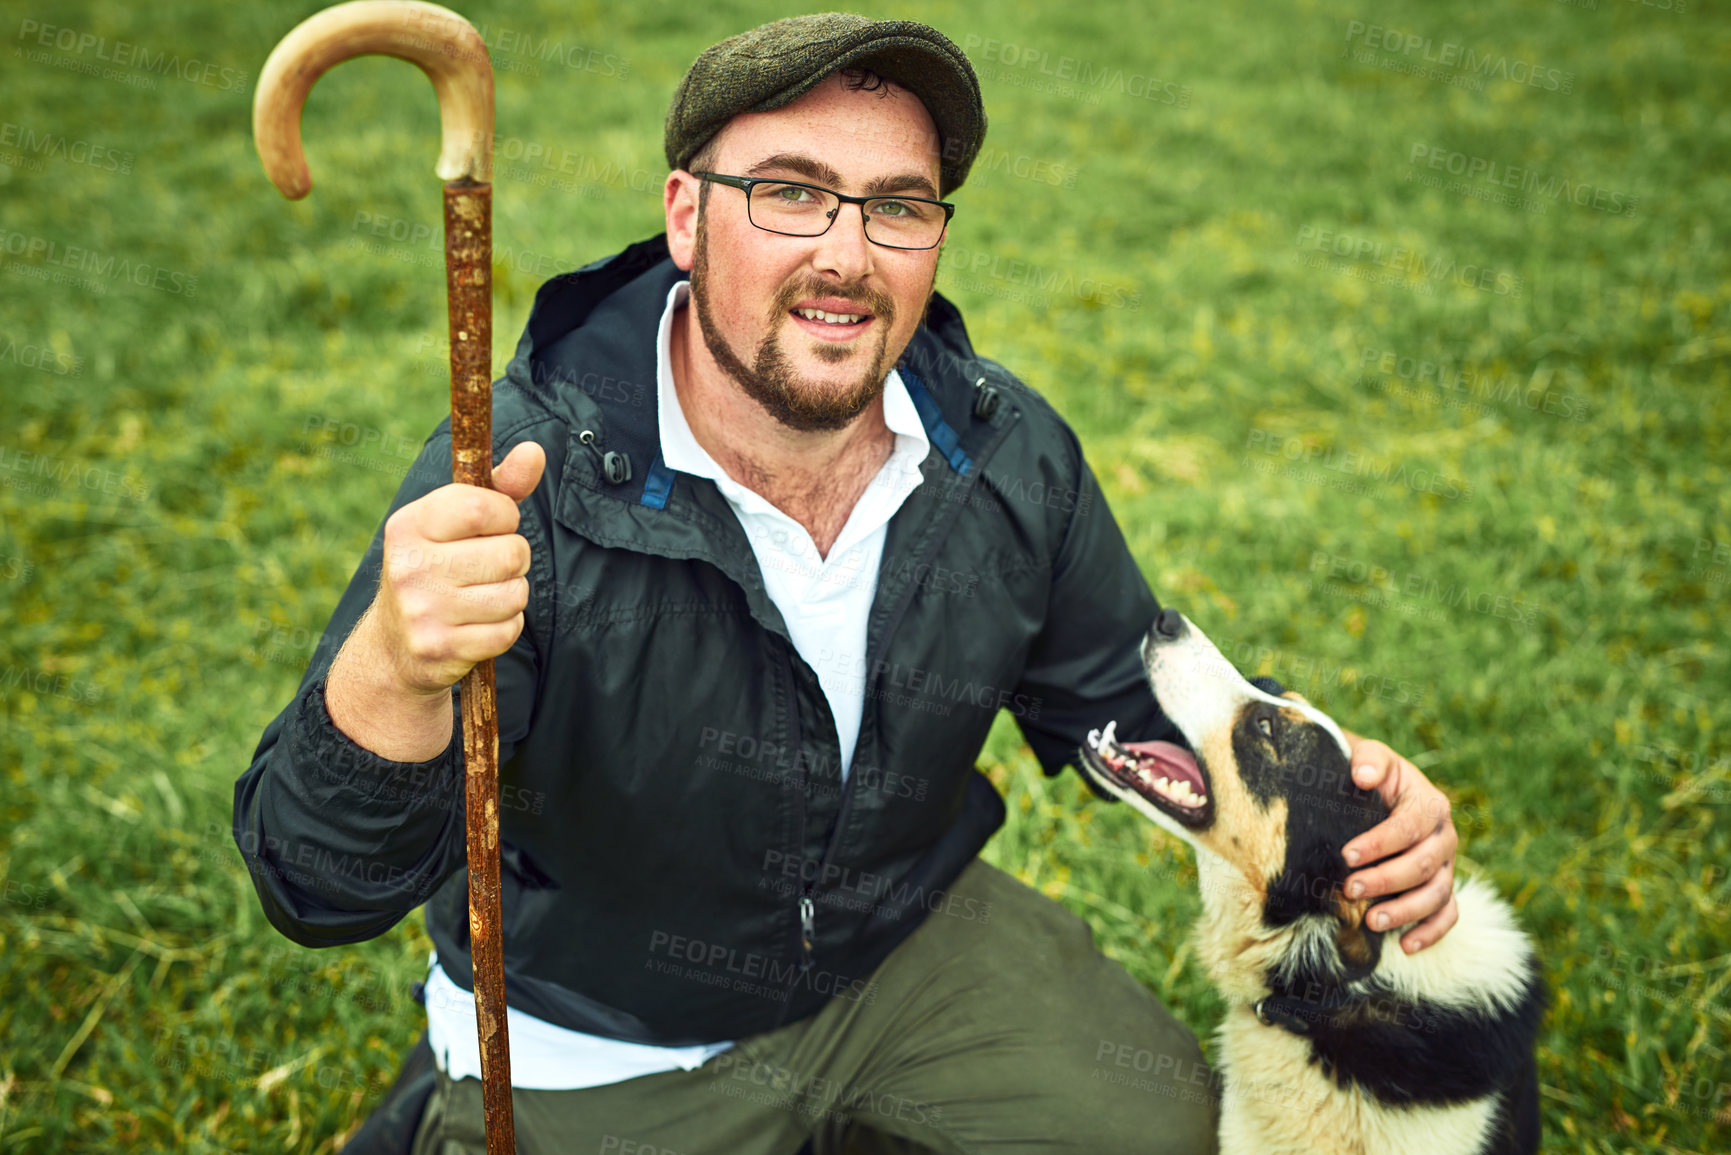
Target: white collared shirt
x: 824, y: 602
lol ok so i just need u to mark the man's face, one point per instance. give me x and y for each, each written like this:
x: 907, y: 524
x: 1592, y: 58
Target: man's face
x: 750, y: 286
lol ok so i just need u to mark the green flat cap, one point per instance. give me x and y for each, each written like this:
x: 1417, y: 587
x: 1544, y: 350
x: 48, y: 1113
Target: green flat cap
x: 776, y: 64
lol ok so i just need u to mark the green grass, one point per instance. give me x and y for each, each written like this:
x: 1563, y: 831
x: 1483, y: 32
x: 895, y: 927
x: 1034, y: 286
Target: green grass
x: 162, y: 578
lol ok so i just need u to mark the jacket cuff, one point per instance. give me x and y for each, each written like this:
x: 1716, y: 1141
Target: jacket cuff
x: 343, y: 766
x: 342, y: 841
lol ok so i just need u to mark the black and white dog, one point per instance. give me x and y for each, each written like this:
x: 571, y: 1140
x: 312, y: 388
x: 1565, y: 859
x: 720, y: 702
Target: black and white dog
x: 1331, y: 1042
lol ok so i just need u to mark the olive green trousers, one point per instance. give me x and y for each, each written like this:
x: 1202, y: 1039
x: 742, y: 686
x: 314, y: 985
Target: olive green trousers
x: 1005, y: 1033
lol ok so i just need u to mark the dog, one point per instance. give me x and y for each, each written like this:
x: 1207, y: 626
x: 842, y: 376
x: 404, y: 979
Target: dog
x: 1332, y: 1042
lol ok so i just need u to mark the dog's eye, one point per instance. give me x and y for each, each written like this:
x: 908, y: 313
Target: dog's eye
x: 1266, y: 727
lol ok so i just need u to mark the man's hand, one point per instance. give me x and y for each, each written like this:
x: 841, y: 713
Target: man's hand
x: 452, y: 590
x: 454, y: 582
x: 1418, y: 824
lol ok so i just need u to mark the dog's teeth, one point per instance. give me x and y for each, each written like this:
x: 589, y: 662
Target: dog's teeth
x: 1094, y: 739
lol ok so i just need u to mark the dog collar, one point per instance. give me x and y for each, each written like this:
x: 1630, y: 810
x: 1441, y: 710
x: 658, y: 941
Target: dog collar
x: 1273, y: 1011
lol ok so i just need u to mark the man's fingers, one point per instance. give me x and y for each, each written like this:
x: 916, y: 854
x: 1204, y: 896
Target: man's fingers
x: 1432, y: 928
x: 1404, y: 871
x: 455, y: 512
x: 488, y: 603
x: 1406, y: 824
x: 474, y: 561
x: 452, y: 650
x: 1414, y: 905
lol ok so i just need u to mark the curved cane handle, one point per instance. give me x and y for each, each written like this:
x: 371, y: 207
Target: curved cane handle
x: 438, y: 41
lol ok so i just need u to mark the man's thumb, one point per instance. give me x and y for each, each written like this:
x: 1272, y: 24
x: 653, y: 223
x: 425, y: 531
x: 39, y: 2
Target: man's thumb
x: 517, y: 475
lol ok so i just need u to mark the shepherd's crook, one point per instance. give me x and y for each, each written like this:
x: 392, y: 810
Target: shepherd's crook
x: 449, y: 50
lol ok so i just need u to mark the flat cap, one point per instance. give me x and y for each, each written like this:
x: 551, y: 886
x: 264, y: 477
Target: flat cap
x: 777, y: 63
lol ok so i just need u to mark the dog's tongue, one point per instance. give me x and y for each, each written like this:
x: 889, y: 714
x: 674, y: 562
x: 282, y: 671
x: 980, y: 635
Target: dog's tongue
x: 1175, y: 761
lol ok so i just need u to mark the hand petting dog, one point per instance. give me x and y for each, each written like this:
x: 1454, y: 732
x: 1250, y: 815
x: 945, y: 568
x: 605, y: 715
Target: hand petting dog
x: 1418, y: 832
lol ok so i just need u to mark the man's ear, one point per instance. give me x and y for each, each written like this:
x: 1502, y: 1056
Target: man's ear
x: 679, y: 201
x: 1360, y: 947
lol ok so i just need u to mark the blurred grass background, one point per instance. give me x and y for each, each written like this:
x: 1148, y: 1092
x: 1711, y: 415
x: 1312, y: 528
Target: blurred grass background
x: 187, y: 478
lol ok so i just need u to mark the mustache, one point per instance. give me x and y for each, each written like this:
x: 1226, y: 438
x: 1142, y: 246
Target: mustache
x: 878, y: 303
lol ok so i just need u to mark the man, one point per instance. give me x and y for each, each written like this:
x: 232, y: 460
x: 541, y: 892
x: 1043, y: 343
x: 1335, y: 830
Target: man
x: 785, y: 545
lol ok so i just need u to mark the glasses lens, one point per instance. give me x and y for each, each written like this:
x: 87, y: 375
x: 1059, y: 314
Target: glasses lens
x: 792, y: 209
x: 904, y: 224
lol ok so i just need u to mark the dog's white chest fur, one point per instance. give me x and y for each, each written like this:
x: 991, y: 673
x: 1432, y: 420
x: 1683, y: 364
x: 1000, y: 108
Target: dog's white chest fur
x: 1276, y: 1101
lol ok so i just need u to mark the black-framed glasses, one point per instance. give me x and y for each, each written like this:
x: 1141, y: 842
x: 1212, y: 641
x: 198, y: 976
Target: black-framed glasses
x: 794, y: 209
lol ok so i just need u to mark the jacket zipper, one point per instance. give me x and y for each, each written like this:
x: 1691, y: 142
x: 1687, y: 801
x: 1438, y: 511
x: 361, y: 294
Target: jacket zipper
x: 807, y: 905
x: 889, y: 630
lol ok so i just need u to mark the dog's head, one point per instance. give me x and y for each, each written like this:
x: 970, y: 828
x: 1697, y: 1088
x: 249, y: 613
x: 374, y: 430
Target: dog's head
x: 1262, y: 788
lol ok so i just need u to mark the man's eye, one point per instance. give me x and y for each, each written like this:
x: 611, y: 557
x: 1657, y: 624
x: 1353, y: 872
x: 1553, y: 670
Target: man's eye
x: 1266, y: 727
x: 792, y: 194
x: 906, y: 212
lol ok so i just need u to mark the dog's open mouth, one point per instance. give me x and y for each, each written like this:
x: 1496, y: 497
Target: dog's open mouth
x: 1164, y: 773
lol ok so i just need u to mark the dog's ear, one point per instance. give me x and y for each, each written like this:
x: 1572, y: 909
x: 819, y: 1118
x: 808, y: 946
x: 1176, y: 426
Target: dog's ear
x: 1360, y: 947
x: 1296, y: 697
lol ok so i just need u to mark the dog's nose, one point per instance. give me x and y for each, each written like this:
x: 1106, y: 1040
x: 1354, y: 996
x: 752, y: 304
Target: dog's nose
x: 1169, y: 624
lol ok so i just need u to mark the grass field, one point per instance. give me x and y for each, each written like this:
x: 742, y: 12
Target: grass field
x: 1407, y: 380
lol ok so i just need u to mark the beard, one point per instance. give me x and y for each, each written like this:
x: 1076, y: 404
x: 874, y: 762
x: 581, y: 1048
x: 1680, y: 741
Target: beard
x: 798, y: 403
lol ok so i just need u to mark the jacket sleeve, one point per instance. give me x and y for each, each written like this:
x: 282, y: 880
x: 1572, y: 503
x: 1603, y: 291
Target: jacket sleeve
x: 1084, y: 668
x: 340, y: 842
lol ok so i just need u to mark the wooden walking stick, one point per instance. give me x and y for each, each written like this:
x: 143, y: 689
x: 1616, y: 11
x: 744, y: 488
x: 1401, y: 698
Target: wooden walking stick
x: 449, y: 50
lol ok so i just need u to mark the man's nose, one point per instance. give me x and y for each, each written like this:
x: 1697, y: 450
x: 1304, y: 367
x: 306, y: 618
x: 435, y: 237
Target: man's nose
x: 843, y: 248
